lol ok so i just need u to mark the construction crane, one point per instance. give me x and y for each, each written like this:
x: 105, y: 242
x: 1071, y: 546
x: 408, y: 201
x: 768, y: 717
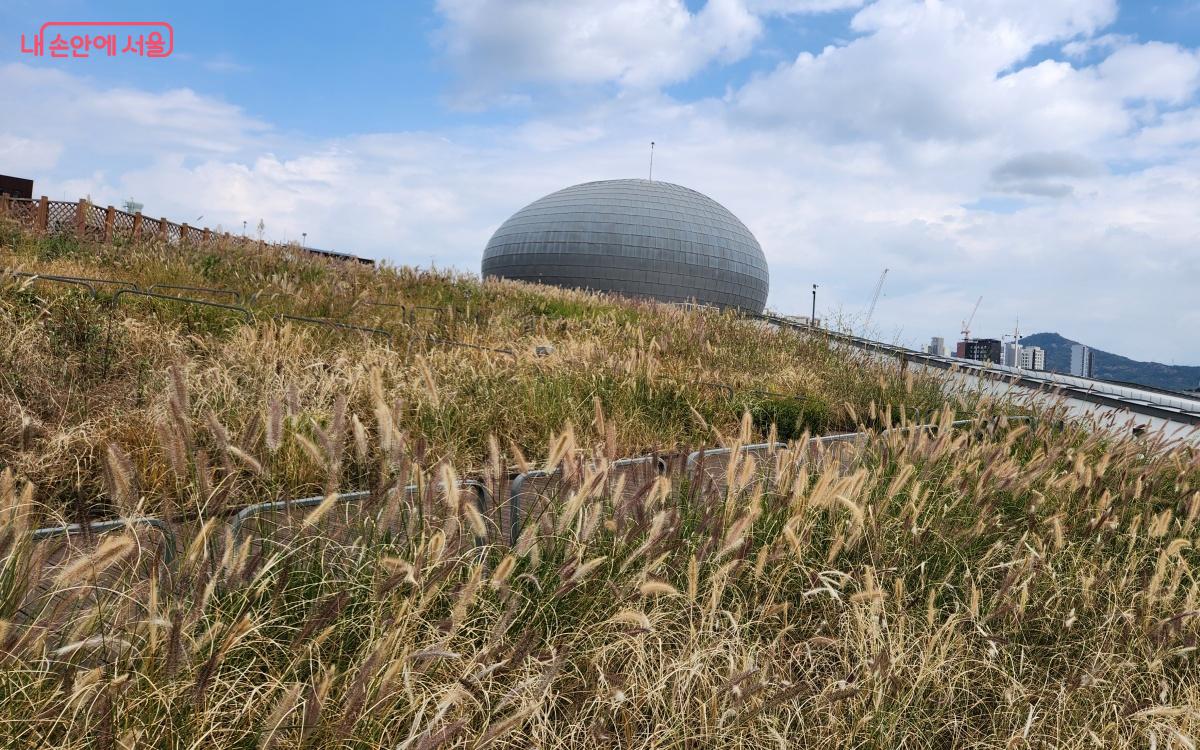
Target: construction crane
x: 875, y: 298
x: 966, y: 327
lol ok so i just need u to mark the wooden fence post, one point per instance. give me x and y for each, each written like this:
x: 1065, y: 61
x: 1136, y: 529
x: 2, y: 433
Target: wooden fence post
x: 162, y: 229
x: 137, y: 226
x: 183, y: 234
x: 81, y: 213
x: 43, y: 214
x: 109, y: 216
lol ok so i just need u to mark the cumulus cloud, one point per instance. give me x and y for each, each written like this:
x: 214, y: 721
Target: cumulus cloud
x: 875, y: 153
x: 634, y: 43
x: 500, y: 45
x: 1156, y: 71
x: 1042, y: 165
x: 1081, y: 48
x: 941, y: 71
x: 1041, y: 173
x: 116, y: 119
x: 801, y: 6
x: 21, y: 155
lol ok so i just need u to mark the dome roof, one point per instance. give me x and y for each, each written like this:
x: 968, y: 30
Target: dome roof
x: 633, y: 237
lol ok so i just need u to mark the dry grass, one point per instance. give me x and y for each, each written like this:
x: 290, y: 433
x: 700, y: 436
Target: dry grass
x: 1008, y: 586
x: 77, y: 375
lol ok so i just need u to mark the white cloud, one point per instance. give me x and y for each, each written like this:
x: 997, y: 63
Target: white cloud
x: 1047, y: 174
x: 107, y: 119
x: 635, y: 43
x: 937, y: 71
x: 1081, y: 48
x: 1064, y: 193
x: 1163, y: 72
x: 22, y: 156
x: 224, y: 63
x: 801, y: 6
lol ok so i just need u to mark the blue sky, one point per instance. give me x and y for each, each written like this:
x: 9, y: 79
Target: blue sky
x: 1042, y: 154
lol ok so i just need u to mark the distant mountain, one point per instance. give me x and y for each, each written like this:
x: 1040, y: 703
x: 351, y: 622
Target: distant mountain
x: 1109, y: 366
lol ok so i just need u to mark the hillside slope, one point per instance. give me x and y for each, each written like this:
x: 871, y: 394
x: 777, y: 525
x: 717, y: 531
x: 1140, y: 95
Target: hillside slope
x: 1111, y: 366
x: 991, y: 583
x: 81, y: 375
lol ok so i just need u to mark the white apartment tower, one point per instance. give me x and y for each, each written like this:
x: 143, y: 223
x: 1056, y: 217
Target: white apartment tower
x: 1081, y: 361
x: 1033, y: 358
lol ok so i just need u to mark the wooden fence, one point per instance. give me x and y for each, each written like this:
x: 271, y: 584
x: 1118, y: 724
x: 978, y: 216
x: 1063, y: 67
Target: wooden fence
x: 87, y: 220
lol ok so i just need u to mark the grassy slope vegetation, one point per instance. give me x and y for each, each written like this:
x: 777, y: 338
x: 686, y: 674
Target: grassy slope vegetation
x: 1017, y: 586
x: 163, y: 383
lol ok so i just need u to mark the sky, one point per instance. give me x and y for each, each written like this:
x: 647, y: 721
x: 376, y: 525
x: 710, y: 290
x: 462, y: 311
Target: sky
x: 1043, y: 155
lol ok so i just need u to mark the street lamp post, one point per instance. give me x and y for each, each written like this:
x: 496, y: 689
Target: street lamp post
x: 304, y: 239
x: 813, y: 319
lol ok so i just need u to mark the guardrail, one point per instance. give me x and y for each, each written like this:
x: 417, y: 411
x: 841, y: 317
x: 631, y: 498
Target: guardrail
x: 237, y: 296
x: 249, y: 512
x: 186, y: 300
x: 696, y: 457
x: 339, y: 325
x: 1086, y: 390
x: 103, y: 527
x: 517, y: 490
x: 407, y: 315
x: 517, y: 487
x: 481, y: 492
x: 74, y: 280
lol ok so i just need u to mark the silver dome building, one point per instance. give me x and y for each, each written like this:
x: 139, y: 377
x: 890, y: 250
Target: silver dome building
x: 634, y: 237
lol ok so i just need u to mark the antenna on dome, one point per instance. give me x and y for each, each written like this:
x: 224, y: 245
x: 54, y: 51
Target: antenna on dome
x: 652, y: 161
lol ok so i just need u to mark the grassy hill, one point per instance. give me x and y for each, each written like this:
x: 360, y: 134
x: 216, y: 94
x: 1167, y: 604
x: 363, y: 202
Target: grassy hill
x: 1109, y: 366
x: 80, y: 375
x: 991, y: 584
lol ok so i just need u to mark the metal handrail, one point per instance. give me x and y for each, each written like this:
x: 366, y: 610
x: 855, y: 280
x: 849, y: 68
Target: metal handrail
x: 60, y: 279
x: 90, y: 280
x: 518, y: 484
x: 452, y: 342
x: 1044, y: 382
x: 483, y: 495
x: 336, y: 324
x: 237, y: 296
x: 243, y: 515
x: 103, y: 527
x: 695, y: 456
x: 772, y: 394
x: 235, y: 527
x: 187, y: 300
x: 405, y: 313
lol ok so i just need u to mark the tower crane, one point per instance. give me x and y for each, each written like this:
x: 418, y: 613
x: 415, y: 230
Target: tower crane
x: 966, y: 326
x: 875, y: 297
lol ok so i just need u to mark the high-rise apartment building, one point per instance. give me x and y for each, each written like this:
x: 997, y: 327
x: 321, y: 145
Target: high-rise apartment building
x: 1033, y: 358
x: 982, y: 350
x: 937, y: 346
x: 1082, y: 363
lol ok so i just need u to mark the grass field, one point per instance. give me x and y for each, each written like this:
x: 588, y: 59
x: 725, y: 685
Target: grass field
x: 998, y: 584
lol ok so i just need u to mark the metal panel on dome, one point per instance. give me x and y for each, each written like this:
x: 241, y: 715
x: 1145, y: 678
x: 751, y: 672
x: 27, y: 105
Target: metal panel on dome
x: 633, y: 237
